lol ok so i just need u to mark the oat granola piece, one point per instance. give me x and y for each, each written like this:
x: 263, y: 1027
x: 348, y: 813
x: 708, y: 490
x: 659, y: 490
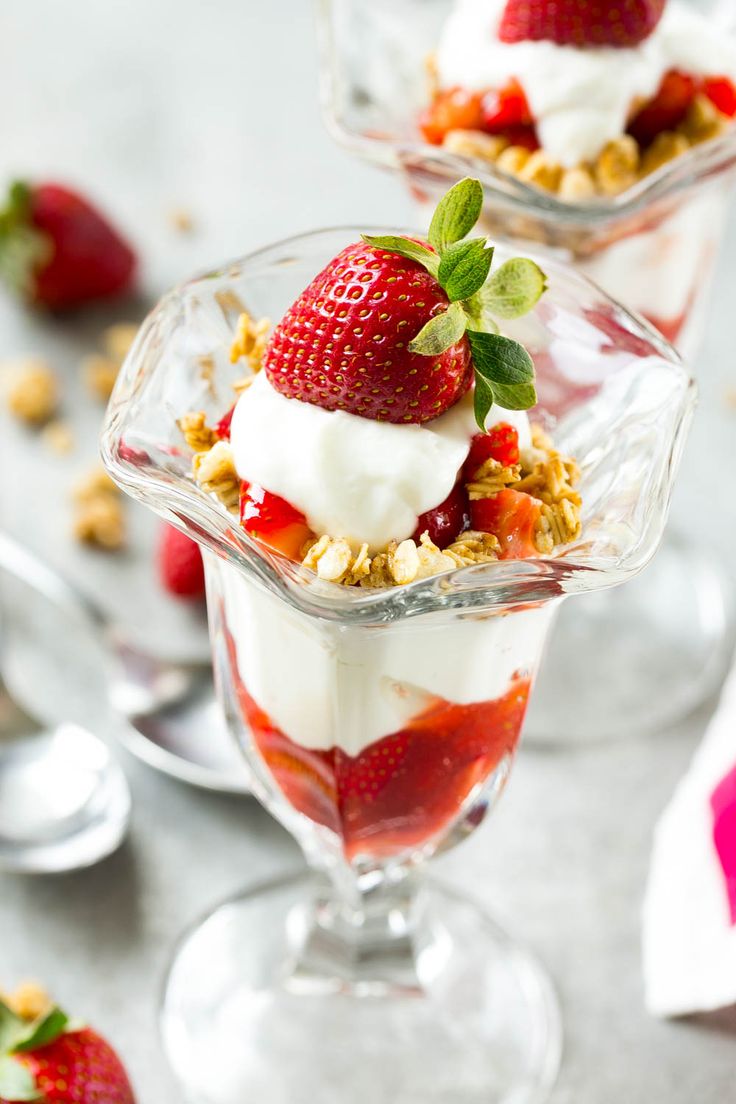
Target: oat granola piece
x: 577, y: 184
x: 250, y: 341
x: 474, y: 143
x: 473, y: 547
x: 403, y: 562
x: 100, y: 521
x: 29, y: 1000
x: 198, y: 435
x: 665, y: 148
x: 215, y: 473
x: 59, y: 437
x: 118, y: 339
x: 491, y: 477
x: 95, y: 483
x: 703, y: 121
x: 181, y: 220
x: 513, y: 159
x: 330, y: 557
x: 33, y: 392
x: 99, y: 373
x: 617, y: 165
x: 541, y: 171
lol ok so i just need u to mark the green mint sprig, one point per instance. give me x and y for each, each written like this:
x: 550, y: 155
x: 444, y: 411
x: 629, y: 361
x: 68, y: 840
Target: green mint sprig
x: 504, y: 371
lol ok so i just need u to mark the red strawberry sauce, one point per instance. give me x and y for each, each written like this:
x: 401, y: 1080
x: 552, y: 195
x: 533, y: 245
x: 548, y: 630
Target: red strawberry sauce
x: 403, y: 789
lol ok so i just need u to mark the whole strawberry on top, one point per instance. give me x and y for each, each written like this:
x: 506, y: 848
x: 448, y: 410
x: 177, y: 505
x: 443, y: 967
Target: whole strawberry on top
x: 52, y: 1060
x: 581, y: 23
x: 59, y: 251
x: 397, y: 329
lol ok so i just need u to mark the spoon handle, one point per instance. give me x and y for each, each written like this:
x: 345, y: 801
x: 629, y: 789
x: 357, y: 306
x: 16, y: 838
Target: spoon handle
x: 25, y: 565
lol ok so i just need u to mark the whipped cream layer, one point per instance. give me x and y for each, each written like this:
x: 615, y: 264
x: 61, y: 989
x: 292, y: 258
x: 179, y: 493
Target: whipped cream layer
x: 580, y: 99
x: 353, y: 477
x: 328, y: 686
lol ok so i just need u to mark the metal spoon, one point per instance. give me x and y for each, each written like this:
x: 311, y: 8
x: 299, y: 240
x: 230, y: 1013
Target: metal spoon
x: 175, y: 723
x: 64, y: 801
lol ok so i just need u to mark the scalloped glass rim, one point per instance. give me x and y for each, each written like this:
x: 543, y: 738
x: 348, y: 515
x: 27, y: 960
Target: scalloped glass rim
x: 411, y: 154
x: 165, y: 485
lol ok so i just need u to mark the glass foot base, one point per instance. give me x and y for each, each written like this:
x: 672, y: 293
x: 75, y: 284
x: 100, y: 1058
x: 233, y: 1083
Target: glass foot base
x: 636, y: 659
x: 481, y: 1026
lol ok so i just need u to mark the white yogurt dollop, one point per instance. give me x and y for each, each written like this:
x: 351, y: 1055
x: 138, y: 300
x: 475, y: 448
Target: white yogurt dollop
x: 353, y: 477
x: 580, y: 99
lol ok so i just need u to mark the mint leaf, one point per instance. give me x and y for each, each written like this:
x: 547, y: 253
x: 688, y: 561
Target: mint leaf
x: 514, y: 288
x: 456, y: 214
x: 42, y: 1031
x: 12, y: 1028
x: 464, y: 268
x: 504, y: 373
x: 404, y: 247
x: 16, y: 1082
x: 440, y: 332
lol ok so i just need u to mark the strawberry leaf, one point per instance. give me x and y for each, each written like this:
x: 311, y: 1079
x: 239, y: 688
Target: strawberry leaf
x: 16, y: 1082
x: 513, y: 289
x: 42, y: 1031
x: 464, y: 268
x: 404, y: 247
x: 440, y: 332
x: 456, y: 214
x: 504, y: 374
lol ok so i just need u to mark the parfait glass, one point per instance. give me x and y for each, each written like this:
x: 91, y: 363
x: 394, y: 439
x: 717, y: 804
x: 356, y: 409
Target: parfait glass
x: 380, y: 726
x: 653, y: 248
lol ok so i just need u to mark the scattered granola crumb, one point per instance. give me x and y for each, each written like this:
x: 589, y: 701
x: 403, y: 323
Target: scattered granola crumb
x: 198, y: 435
x: 181, y: 220
x: 33, y: 393
x: 118, y: 339
x: 29, y: 1001
x: 215, y: 473
x: 250, y: 341
x: 59, y: 437
x: 207, y: 372
x: 731, y: 397
x: 100, y: 521
x: 99, y: 373
x: 95, y: 483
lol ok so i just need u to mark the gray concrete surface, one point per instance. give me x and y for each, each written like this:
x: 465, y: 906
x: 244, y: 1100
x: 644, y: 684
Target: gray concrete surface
x: 212, y: 106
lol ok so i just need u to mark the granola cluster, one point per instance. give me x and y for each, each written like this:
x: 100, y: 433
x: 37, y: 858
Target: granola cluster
x: 542, y: 473
x: 618, y: 166
x: 99, y: 518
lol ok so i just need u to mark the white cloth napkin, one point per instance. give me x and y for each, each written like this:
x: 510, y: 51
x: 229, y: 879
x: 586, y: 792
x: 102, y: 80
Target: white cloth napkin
x: 689, y: 940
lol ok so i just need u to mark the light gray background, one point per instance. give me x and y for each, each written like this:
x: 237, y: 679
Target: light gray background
x: 154, y: 104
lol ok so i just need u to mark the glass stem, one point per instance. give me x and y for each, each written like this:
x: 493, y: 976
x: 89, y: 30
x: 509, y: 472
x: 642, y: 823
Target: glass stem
x: 362, y: 934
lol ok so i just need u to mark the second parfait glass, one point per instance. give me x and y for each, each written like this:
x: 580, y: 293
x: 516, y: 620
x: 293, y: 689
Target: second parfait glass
x: 653, y: 248
x: 380, y: 725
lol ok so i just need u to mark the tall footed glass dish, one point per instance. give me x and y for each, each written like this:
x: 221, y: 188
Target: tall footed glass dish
x: 380, y: 725
x: 652, y: 245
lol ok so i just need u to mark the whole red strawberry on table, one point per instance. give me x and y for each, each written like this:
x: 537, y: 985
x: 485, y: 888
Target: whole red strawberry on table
x: 57, y: 250
x: 55, y: 1061
x: 180, y: 564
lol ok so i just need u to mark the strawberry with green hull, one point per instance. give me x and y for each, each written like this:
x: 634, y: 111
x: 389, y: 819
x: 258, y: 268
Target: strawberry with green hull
x: 54, y: 1061
x: 59, y: 251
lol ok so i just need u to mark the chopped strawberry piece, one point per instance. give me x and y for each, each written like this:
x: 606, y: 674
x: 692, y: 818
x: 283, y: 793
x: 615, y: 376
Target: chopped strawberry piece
x: 666, y: 110
x: 511, y: 516
x: 222, y: 429
x: 451, y: 109
x: 722, y: 93
x: 506, y: 107
x: 273, y: 520
x: 446, y: 521
x: 500, y: 443
x: 524, y: 136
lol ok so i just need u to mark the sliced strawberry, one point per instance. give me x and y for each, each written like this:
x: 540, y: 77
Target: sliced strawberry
x: 366, y: 775
x: 511, y: 516
x: 273, y: 520
x: 722, y: 93
x: 500, y: 443
x: 666, y: 110
x: 580, y: 22
x: 446, y: 521
x: 222, y: 429
x: 451, y: 109
x: 505, y: 107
